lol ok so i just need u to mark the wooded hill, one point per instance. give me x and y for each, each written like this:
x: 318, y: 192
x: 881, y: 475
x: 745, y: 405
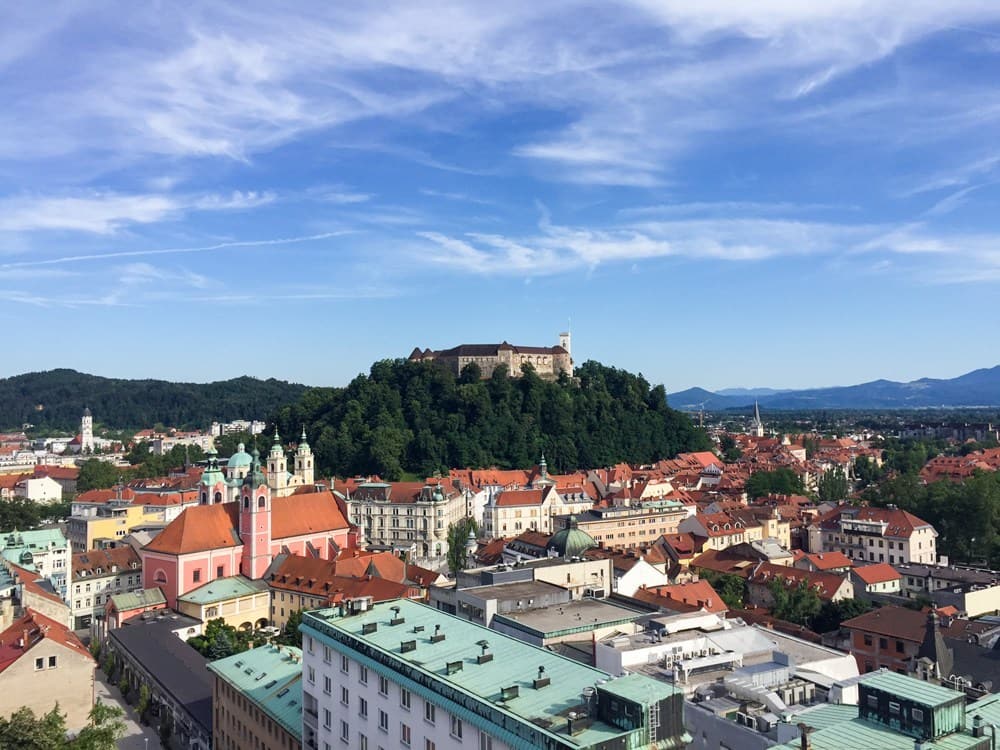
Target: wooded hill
x: 418, y: 418
x: 55, y: 400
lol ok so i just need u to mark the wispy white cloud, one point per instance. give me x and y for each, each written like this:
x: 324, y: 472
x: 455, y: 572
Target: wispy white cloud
x: 67, y: 259
x: 97, y: 213
x: 236, y: 201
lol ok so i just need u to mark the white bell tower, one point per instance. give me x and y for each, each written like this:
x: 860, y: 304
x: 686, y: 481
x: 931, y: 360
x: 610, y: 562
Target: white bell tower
x: 87, y: 432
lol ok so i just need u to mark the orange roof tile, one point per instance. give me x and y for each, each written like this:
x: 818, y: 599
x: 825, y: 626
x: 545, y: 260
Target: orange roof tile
x: 877, y: 573
x: 31, y: 629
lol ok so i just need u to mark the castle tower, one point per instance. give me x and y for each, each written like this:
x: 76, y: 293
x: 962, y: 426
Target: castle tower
x: 87, y: 432
x: 304, y: 460
x: 564, y: 342
x: 255, y: 521
x: 277, y: 466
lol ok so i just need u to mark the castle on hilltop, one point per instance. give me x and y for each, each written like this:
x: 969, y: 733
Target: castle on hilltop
x: 548, y: 361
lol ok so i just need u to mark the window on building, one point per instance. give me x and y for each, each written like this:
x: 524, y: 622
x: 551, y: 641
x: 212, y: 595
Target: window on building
x: 404, y: 698
x: 52, y: 662
x: 327, y: 718
x: 39, y: 663
x: 917, y: 714
x: 345, y: 696
x: 404, y: 735
x: 485, y: 741
x: 311, y: 674
x: 899, y: 646
x: 383, y: 685
x: 893, y: 707
x: 872, y: 701
x: 868, y: 639
x: 326, y: 654
x: 196, y: 576
x: 456, y: 727
x: 428, y: 745
x: 883, y: 643
x: 362, y: 708
x: 383, y: 720
x: 362, y: 741
x: 345, y: 664
x: 219, y: 571
x: 429, y: 711
x: 363, y: 676
x: 345, y: 731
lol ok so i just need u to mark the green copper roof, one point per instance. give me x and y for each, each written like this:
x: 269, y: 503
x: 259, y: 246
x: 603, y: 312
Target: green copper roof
x: 223, y: 589
x: 570, y: 541
x: 912, y: 689
x: 255, y: 477
x: 240, y: 459
x: 271, y: 678
x: 449, y: 669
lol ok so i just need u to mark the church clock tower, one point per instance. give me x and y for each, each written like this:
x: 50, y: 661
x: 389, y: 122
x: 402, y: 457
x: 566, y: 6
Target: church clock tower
x: 255, y: 521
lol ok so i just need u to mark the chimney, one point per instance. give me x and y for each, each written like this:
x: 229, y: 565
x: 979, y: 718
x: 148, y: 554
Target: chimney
x: 805, y: 743
x: 978, y: 726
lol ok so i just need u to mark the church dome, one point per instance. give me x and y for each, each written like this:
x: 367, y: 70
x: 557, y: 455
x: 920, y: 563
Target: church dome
x: 239, y: 460
x: 570, y: 541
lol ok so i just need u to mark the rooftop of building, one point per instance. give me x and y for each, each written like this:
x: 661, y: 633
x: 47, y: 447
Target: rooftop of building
x: 270, y: 677
x: 575, y: 616
x: 223, y: 589
x: 505, y: 684
x: 525, y: 591
x: 34, y: 539
x: 138, y: 599
x: 177, y: 667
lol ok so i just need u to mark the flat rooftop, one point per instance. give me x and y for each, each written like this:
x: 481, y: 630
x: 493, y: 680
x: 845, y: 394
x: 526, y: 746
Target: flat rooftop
x: 573, y: 616
x: 523, y: 590
x: 501, y: 688
x: 270, y: 677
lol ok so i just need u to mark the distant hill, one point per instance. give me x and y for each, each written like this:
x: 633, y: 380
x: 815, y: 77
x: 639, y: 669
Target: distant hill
x: 755, y: 392
x: 976, y: 388
x: 55, y: 399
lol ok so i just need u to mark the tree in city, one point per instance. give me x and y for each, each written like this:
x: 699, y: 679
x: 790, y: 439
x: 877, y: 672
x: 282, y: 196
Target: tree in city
x: 458, y: 535
x: 730, y: 450
x: 105, y: 727
x: 220, y: 640
x: 26, y: 731
x: 731, y: 588
x: 781, y: 481
x: 797, y: 603
x: 96, y: 474
x: 291, y: 636
x: 831, y: 614
x: 833, y: 486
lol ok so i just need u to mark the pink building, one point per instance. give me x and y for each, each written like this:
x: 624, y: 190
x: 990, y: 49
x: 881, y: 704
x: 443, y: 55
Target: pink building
x: 221, y: 539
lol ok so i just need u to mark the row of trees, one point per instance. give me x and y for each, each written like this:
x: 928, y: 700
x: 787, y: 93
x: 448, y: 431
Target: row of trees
x: 417, y: 418
x: 21, y: 514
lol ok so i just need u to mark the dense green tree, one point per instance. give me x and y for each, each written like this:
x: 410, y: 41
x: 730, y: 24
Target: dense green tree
x: 458, y: 535
x: 781, y: 481
x: 220, y: 640
x: 24, y: 730
x: 731, y: 588
x: 794, y: 603
x: 832, y: 486
x: 105, y: 728
x: 730, y: 450
x: 418, y: 418
x: 291, y: 636
x: 831, y: 614
x: 96, y: 474
x: 867, y: 471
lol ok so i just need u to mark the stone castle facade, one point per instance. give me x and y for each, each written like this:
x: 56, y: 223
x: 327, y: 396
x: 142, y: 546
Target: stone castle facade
x: 548, y: 361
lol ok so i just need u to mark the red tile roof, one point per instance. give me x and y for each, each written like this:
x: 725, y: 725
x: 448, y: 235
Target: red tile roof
x: 513, y: 498
x: 29, y: 630
x: 298, y: 515
x: 199, y: 528
x: 685, y: 597
x: 31, y: 581
x: 829, y: 560
x: 86, y: 564
x: 877, y: 573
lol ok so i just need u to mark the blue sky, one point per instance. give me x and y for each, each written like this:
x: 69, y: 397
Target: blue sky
x: 714, y: 194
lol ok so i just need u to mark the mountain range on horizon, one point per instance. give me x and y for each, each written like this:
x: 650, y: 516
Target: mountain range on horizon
x: 979, y: 388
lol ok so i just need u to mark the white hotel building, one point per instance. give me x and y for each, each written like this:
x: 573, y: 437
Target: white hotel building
x: 404, y: 675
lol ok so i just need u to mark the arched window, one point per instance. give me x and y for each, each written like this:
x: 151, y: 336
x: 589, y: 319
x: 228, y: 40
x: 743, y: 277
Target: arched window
x: 246, y: 503
x: 204, y: 498
x: 261, y: 502
x: 218, y: 497
x: 159, y: 577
